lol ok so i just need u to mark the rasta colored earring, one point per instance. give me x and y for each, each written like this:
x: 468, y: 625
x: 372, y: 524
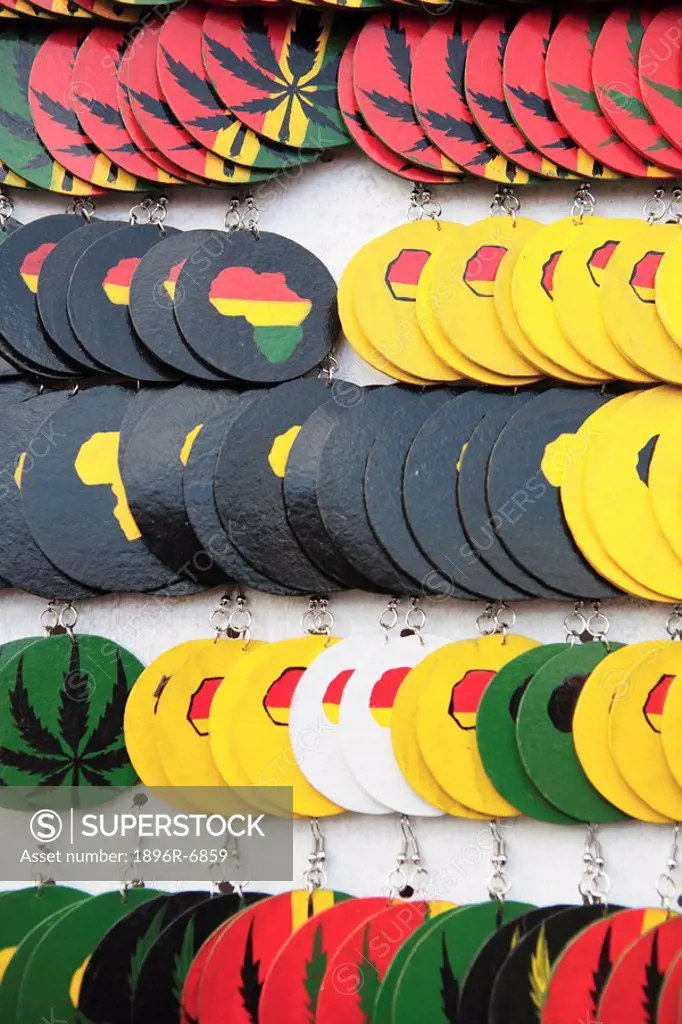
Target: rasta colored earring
x: 339, y: 935
x: 433, y: 964
x: 621, y: 959
x: 24, y: 251
x: 63, y: 698
x: 260, y: 936
x: 255, y: 305
x: 99, y: 294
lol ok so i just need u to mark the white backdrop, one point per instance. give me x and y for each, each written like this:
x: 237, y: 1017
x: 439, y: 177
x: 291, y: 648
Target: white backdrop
x: 333, y: 209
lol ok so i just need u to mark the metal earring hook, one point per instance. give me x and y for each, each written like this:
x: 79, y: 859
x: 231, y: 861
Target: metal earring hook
x: 595, y: 884
x: 584, y: 203
x: 240, y: 619
x: 499, y: 885
x: 315, y: 876
x: 415, y: 619
x: 655, y: 207
x: 422, y: 205
x: 673, y: 624
x: 388, y: 618
x: 402, y: 885
x: 219, y: 619
x: 575, y: 624
x: 505, y: 204
x: 6, y: 210
x: 666, y: 887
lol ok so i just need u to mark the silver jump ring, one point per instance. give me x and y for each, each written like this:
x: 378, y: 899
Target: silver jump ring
x: 251, y: 218
x: 655, y: 207
x: 219, y: 620
x: 598, y: 625
x: 49, y: 619
x: 83, y: 206
x: 431, y: 209
x: 68, y: 617
x: 397, y: 880
x: 674, y: 623
x: 233, y: 217
x: 323, y: 619
x: 485, y: 623
x: 575, y: 624
x: 6, y: 210
x: 675, y: 206
x: 388, y: 619
x: 329, y: 367
x: 308, y: 620
x: 415, y: 618
x: 583, y: 204
x: 498, y: 887
x: 141, y: 213
x: 240, y: 620
x: 505, y: 617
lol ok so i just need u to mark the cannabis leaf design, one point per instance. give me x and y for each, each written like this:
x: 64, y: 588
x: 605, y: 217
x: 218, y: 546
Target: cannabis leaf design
x: 563, y: 143
x: 104, y: 112
x: 24, y: 55
x: 540, y: 968
x: 494, y: 107
x: 627, y: 103
x: 397, y: 110
x: 127, y: 147
x: 68, y: 119
x: 584, y: 98
x: 653, y: 983
x: 538, y: 105
x: 659, y: 144
x: 14, y: 121
x: 455, y: 58
x: 251, y: 986
x: 42, y: 159
x: 142, y: 947
x: 398, y: 51
x: 449, y: 986
x: 288, y: 89
x: 358, y: 120
x: 668, y: 92
x: 452, y: 127
x: 503, y: 39
x: 155, y: 108
x: 420, y: 145
x: 79, y: 149
x: 635, y: 36
x: 183, y: 961
x: 602, y: 972
x: 314, y: 972
x: 71, y: 757
x: 17, y: 125
x: 595, y: 24
x: 199, y: 89
x: 57, y: 112
x: 460, y: 128
x: 369, y: 979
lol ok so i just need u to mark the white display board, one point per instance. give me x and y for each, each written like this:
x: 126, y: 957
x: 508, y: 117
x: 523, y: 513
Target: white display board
x: 333, y: 209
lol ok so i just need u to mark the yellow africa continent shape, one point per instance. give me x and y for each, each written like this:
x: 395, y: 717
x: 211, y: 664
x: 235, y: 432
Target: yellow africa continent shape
x: 97, y: 465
